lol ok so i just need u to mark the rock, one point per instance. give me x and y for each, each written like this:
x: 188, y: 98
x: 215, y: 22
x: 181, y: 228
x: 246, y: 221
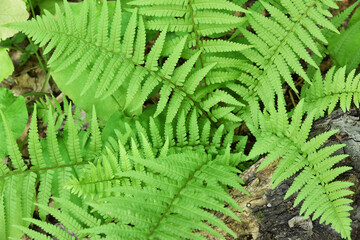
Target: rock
x: 304, y: 223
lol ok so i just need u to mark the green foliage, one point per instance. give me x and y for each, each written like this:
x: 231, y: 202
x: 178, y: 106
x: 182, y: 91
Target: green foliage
x: 49, y: 5
x: 323, y: 197
x: 14, y: 109
x: 175, y: 83
x: 74, y: 218
x: 280, y: 41
x: 116, y: 71
x: 341, y: 47
x: 199, y: 16
x: 151, y: 142
x: 52, y: 163
x: 173, y: 199
x: 6, y: 65
x: 324, y: 94
x: 15, y: 12
x: 197, y: 20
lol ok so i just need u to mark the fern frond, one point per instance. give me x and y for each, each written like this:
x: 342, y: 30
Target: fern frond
x: 35, y: 149
x: 80, y: 45
x: 315, y: 166
x: 16, y: 202
x: 52, y: 165
x: 96, y: 142
x: 74, y: 219
x: 324, y: 94
x: 193, y: 16
x: 12, y: 146
x: 115, y: 64
x: 281, y: 40
x: 151, y: 142
x: 73, y: 143
x: 196, y: 19
x: 170, y: 198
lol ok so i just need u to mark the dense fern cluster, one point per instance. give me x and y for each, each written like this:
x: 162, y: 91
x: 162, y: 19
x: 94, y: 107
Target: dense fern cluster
x: 118, y: 65
x: 136, y: 141
x: 51, y: 165
x: 315, y: 182
x: 324, y: 94
x: 175, y: 80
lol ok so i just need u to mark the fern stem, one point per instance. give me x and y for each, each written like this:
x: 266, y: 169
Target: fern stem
x: 196, y: 104
x: 102, y: 181
x: 283, y: 40
x: 47, y: 79
x: 116, y: 100
x: 196, y: 35
x: 13, y: 173
x: 34, y: 48
x: 38, y: 56
x: 32, y: 8
x: 173, y: 200
x: 292, y: 98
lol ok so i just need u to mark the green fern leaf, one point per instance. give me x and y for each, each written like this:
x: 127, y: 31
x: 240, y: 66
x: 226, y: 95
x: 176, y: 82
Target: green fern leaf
x: 169, y: 66
x: 154, y: 55
x: 13, y: 150
x: 175, y: 203
x: 55, y: 157
x: 72, y: 224
x: 281, y: 40
x: 73, y: 143
x: 336, y: 87
x: 96, y: 142
x: 35, y: 149
x: 314, y: 165
x: 46, y: 179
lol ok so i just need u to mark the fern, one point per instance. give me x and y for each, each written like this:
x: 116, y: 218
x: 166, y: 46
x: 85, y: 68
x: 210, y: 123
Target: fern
x: 205, y: 71
x: 182, y: 175
x: 324, y: 94
x: 16, y: 202
x: 115, y: 67
x: 43, y: 107
x: 337, y: 21
x: 341, y: 46
x: 153, y: 144
x: 168, y: 209
x: 323, y: 197
x: 51, y: 165
x: 281, y: 40
x: 73, y: 218
x: 198, y: 16
x: 197, y: 19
